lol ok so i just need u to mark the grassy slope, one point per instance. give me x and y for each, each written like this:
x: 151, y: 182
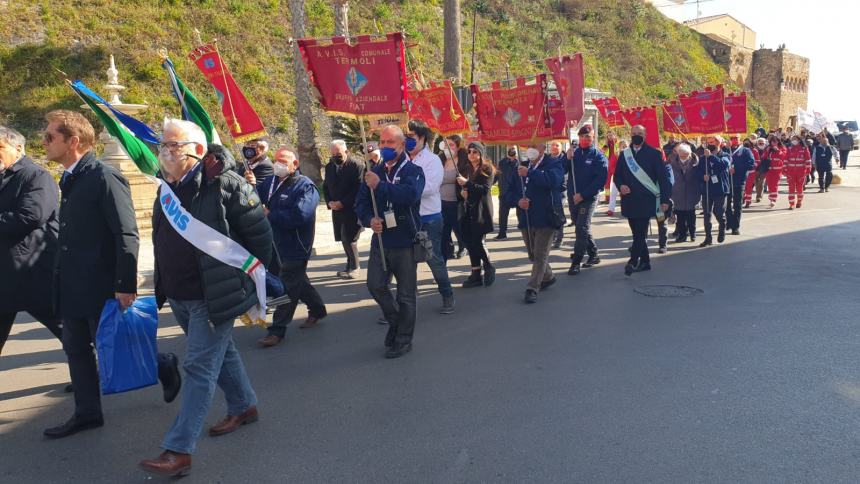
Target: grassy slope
x: 630, y: 49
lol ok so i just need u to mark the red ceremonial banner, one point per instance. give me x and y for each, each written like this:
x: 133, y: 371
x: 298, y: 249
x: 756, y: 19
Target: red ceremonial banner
x: 557, y: 118
x: 704, y: 111
x: 243, y: 121
x: 647, y: 117
x: 569, y: 77
x: 736, y: 113
x: 515, y: 115
x: 674, y: 119
x: 439, y: 108
x: 357, y: 79
x: 610, y: 111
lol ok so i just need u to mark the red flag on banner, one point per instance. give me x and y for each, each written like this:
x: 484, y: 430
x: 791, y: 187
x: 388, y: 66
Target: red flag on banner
x: 610, y: 111
x: 704, y: 111
x: 515, y: 115
x: 736, y: 113
x: 569, y: 77
x: 557, y: 117
x: 439, y: 108
x: 674, y: 120
x: 243, y: 121
x: 647, y: 117
x: 365, y: 77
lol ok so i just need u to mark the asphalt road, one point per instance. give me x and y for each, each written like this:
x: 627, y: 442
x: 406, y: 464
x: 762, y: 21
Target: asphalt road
x: 755, y: 380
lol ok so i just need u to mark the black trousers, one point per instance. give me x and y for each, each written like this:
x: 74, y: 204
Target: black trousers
x: 475, y: 244
x: 294, y: 274
x: 53, y: 323
x: 401, y: 312
x: 639, y: 248
x: 717, y: 208
x: 825, y: 177
x: 347, y: 231
x: 504, y: 213
x: 686, y: 223
x: 581, y: 215
x: 734, y: 208
x: 79, y: 335
x: 843, y: 158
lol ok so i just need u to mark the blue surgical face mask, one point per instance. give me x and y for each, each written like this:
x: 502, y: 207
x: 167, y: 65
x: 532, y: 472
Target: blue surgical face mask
x: 388, y: 154
x: 411, y: 143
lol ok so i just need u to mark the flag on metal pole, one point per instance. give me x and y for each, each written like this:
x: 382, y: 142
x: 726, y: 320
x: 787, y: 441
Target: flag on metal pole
x: 192, y: 110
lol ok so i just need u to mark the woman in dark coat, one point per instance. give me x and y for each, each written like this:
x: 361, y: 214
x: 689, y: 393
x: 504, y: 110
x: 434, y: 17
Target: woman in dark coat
x: 686, y: 192
x: 461, y: 160
x: 476, y: 219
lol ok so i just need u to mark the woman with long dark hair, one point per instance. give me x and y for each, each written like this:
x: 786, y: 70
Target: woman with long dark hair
x: 476, y: 220
x: 458, y: 164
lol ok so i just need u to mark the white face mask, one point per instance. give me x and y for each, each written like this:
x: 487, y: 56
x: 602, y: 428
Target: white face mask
x: 532, y: 154
x: 794, y: 142
x: 442, y: 146
x: 281, y: 170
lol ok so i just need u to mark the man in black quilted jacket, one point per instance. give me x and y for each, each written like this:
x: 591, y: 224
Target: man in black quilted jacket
x: 206, y: 295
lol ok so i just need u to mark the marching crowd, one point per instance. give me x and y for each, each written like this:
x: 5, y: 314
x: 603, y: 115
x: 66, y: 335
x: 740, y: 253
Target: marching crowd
x: 67, y: 249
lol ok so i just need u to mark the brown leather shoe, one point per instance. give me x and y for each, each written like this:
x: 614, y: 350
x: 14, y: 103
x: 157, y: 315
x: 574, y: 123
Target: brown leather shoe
x: 232, y: 422
x: 168, y: 464
x: 310, y: 322
x: 269, y: 340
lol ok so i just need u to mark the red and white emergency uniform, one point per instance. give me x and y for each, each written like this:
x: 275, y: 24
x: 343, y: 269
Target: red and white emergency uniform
x: 774, y: 157
x: 798, y: 164
x: 752, y: 175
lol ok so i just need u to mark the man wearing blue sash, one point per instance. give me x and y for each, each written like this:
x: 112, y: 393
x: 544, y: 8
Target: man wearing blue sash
x: 643, y: 183
x: 586, y: 174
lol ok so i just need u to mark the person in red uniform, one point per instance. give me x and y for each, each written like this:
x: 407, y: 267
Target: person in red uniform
x: 772, y: 166
x: 755, y: 177
x: 798, y: 164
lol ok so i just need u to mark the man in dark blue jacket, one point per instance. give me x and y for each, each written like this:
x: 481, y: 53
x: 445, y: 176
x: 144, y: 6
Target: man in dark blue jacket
x: 714, y: 171
x: 643, y: 182
x: 536, y: 191
x: 742, y: 164
x: 29, y: 202
x: 586, y: 172
x: 397, y: 185
x: 290, y: 200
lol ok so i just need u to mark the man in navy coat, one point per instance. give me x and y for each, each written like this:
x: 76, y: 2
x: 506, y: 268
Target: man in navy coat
x: 642, y: 195
x: 586, y: 172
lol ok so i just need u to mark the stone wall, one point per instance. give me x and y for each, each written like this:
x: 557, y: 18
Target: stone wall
x: 736, y: 60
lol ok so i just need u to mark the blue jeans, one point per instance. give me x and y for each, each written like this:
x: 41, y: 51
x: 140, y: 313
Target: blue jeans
x: 450, y: 214
x: 437, y: 263
x: 211, y: 358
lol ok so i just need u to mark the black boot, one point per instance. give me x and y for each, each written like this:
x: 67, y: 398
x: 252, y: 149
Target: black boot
x: 707, y: 241
x: 169, y: 376
x: 575, y: 264
x: 474, y: 279
x: 489, y: 274
x: 721, y: 235
x: 593, y: 260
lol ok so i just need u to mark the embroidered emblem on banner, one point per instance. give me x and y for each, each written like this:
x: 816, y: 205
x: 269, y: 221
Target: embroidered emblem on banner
x: 355, y: 80
x: 512, y: 117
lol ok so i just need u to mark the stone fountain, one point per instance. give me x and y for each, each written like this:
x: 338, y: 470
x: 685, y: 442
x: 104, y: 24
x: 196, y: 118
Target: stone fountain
x: 142, y: 190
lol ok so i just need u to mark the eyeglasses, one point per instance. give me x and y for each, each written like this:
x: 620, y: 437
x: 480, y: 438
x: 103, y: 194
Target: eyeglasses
x: 173, y: 145
x: 49, y: 137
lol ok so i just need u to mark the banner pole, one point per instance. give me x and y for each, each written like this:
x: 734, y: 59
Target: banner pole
x: 372, y: 194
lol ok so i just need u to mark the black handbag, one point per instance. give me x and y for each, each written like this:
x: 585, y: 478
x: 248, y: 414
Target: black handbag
x: 557, y: 218
x: 422, y: 246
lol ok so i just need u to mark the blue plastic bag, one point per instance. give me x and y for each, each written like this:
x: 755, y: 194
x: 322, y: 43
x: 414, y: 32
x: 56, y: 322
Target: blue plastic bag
x: 126, y: 347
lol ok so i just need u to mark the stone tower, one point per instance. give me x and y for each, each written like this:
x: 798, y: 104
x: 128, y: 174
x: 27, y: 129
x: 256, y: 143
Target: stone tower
x: 780, y: 82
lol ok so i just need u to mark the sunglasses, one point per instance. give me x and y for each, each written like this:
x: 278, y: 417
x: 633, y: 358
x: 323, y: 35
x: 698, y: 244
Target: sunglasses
x: 475, y: 152
x: 49, y: 137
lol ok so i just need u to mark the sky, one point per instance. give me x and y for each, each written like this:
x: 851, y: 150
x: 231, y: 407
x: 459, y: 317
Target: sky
x: 825, y: 31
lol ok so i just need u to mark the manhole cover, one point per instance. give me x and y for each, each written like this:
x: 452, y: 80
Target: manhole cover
x: 665, y: 290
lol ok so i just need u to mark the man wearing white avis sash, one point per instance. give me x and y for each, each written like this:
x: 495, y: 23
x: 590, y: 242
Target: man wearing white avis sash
x: 644, y: 185
x: 210, y: 237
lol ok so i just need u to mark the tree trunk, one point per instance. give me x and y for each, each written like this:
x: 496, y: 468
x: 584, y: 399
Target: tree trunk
x: 341, y: 18
x: 309, y: 159
x: 452, y: 57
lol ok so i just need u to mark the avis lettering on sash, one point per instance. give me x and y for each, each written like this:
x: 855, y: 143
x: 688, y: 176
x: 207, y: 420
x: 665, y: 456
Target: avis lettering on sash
x: 173, y: 209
